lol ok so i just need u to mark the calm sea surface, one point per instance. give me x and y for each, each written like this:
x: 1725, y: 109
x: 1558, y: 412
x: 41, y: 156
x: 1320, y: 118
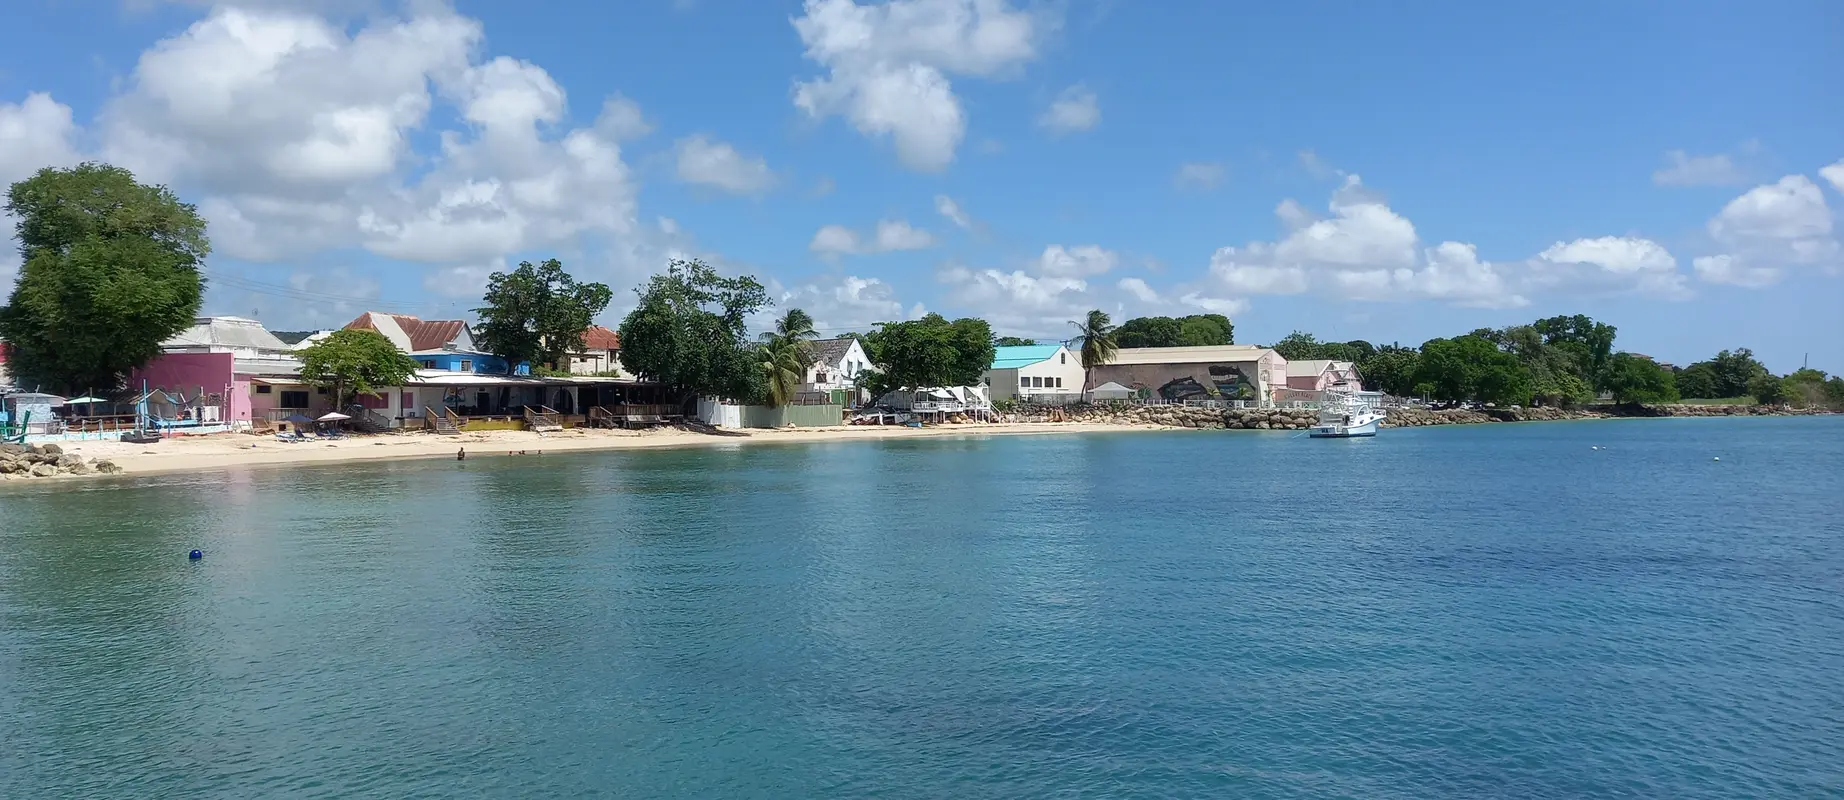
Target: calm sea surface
x: 1487, y: 611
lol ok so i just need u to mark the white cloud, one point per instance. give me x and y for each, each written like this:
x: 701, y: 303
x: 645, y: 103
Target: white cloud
x: 1139, y: 289
x: 1077, y: 262
x: 848, y: 302
x: 621, y: 120
x: 1768, y: 229
x: 887, y: 66
x: 832, y: 241
x: 1074, y: 109
x: 1316, y: 166
x: 1365, y: 250
x: 705, y: 162
x: 947, y: 207
x: 1835, y: 174
x: 35, y: 133
x: 1683, y: 169
x: 1215, y: 305
x: 1613, y: 253
x: 1198, y: 175
x: 1019, y: 301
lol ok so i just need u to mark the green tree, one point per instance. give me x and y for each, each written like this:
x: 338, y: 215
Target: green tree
x: 537, y: 314
x: 689, y: 333
x: 786, y: 355
x: 1205, y: 330
x: 1472, y: 368
x: 1014, y: 341
x: 1095, y: 339
x: 110, y: 269
x: 1637, y: 379
x: 1734, y: 370
x: 1361, y: 350
x: 1149, y: 332
x: 1698, y: 380
x: 1391, y: 370
x: 930, y: 351
x: 352, y: 362
x: 1557, y: 375
x: 1298, y: 346
x: 1767, y: 389
x: 1807, y: 388
x: 1590, y: 342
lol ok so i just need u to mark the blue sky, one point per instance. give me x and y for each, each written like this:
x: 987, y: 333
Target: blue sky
x: 1385, y: 171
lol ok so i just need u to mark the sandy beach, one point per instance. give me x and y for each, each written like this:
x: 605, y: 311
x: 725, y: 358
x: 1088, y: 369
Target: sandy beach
x: 220, y: 451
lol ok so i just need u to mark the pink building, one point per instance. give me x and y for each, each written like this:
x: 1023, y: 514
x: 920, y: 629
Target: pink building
x: 237, y: 366
x: 1318, y: 374
x: 212, y: 376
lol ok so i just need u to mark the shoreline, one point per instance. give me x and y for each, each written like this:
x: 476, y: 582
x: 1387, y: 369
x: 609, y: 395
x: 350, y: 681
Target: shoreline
x: 229, y: 451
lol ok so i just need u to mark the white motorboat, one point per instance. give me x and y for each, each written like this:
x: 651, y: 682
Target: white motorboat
x: 1345, y: 411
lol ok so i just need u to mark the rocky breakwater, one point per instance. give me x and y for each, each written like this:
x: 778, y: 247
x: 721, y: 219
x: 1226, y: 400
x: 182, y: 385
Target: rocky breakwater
x: 1737, y: 410
x: 48, y: 461
x: 1259, y: 419
x: 1418, y: 417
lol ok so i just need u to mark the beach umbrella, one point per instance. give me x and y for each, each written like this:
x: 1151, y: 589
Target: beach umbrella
x: 86, y: 400
x: 299, y: 419
x: 333, y: 416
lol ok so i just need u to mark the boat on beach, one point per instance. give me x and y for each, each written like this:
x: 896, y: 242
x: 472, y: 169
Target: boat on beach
x: 1346, y: 411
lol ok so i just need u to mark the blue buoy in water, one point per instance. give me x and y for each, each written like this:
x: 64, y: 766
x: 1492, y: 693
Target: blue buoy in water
x: 196, y: 555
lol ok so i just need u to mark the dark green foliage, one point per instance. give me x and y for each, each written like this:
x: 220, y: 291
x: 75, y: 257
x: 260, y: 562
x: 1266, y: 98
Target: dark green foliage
x: 1698, y: 380
x: 1637, y: 379
x: 1590, y: 342
x: 1472, y: 368
x: 537, y: 314
x: 930, y: 351
x: 786, y: 354
x: 1734, y: 370
x: 1767, y: 389
x: 355, y: 361
x: 689, y: 333
x: 110, y: 269
x: 1197, y: 330
x: 1391, y: 370
x: 1013, y: 341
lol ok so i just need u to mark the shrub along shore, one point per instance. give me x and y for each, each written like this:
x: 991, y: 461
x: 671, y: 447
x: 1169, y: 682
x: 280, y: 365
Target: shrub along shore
x: 1301, y: 419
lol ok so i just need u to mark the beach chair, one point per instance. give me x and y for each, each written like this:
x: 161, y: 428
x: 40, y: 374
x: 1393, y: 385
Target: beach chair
x: 290, y: 437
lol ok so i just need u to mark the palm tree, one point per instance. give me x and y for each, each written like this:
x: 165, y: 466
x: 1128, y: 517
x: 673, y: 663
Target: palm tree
x: 1096, y: 338
x: 784, y: 366
x: 786, y: 354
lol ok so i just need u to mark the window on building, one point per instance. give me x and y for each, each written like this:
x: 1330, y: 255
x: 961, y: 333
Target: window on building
x: 1059, y: 383
x: 467, y: 366
x: 819, y: 377
x: 428, y: 363
x: 293, y: 400
x: 322, y: 390
x: 1024, y: 382
x: 1062, y: 358
x: 264, y: 388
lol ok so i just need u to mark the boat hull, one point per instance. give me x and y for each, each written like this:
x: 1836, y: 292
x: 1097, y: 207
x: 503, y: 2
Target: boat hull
x: 1365, y: 428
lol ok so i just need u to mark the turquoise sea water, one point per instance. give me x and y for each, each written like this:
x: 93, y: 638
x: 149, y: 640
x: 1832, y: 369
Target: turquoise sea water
x: 1486, y: 611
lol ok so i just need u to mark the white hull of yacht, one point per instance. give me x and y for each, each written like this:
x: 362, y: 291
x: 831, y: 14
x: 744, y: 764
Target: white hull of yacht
x: 1362, y: 426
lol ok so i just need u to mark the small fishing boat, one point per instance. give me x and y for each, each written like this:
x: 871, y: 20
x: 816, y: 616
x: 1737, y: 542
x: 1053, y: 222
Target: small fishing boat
x: 1346, y: 411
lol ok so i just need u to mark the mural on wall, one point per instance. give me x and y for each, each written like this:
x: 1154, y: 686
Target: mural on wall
x: 1178, y: 383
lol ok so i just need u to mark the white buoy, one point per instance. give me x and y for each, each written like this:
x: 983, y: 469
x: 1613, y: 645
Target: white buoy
x: 1716, y: 459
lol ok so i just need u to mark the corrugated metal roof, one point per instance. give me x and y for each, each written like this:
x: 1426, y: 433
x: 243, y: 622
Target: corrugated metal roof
x: 596, y: 337
x: 1227, y: 353
x: 829, y: 351
x: 409, y: 333
x: 1023, y: 355
x: 226, y: 332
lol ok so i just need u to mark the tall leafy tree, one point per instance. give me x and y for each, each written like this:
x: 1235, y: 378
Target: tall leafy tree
x: 1095, y: 338
x: 1767, y: 389
x: 1699, y: 380
x: 1014, y: 341
x: 1637, y: 379
x: 1298, y: 346
x: 1150, y: 332
x: 1734, y: 370
x: 1472, y: 368
x: 110, y: 269
x: 355, y: 361
x: 1205, y: 330
x: 1391, y: 370
x: 1589, y: 341
x: 537, y: 313
x: 930, y: 351
x: 689, y: 332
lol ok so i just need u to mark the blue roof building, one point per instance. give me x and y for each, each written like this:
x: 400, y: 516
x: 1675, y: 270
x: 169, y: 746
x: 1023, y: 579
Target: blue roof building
x: 1037, y: 373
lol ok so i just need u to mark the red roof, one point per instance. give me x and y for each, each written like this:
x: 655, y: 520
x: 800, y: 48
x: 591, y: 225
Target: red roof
x: 431, y: 334
x: 596, y: 337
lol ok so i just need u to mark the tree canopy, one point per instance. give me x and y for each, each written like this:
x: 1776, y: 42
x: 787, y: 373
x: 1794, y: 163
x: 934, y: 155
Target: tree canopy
x: 1392, y: 369
x: 1014, y: 341
x: 1472, y: 368
x: 1637, y: 379
x: 1303, y: 346
x: 1196, y: 330
x: 110, y: 269
x: 1589, y: 341
x: 1559, y: 375
x: 690, y: 333
x: 355, y: 361
x: 1095, y: 339
x: 537, y: 314
x: 930, y: 351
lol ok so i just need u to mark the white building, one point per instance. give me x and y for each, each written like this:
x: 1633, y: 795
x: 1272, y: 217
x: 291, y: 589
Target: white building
x: 1256, y: 375
x: 836, y: 364
x: 1038, y: 373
